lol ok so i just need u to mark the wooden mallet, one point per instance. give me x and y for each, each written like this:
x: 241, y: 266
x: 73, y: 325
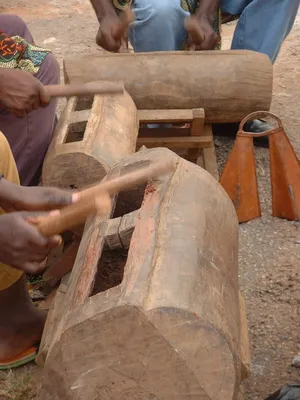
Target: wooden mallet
x: 96, y: 199
x: 85, y: 89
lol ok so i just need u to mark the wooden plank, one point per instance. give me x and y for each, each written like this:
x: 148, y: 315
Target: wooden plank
x: 209, y: 155
x: 64, y: 264
x: 119, y: 231
x: 127, y: 227
x: 196, y: 130
x: 164, y: 116
x: 164, y: 132
x: 112, y: 238
x: 176, y: 142
x: 80, y: 116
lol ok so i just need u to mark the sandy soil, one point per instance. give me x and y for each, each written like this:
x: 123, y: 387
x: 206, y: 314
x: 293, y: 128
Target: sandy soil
x: 269, y: 256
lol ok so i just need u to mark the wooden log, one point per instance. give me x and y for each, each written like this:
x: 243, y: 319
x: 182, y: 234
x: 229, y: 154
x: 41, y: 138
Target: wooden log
x: 227, y: 84
x: 88, y: 142
x: 171, y: 329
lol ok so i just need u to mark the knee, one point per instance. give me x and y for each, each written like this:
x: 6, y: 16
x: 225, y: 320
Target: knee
x: 156, y: 9
x: 49, y: 73
x: 163, y: 10
x: 13, y: 25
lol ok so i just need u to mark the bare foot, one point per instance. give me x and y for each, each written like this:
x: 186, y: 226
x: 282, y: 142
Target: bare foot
x: 21, y: 323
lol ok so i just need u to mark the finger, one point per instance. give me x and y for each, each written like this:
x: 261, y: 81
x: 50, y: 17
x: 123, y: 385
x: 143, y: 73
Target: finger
x: 209, y: 43
x: 36, y: 105
x: 45, y: 98
x: 34, y: 237
x: 54, y: 242
x: 112, y: 44
x: 99, y: 37
x: 33, y: 267
x: 37, y: 254
x: 56, y: 198
x: 17, y: 113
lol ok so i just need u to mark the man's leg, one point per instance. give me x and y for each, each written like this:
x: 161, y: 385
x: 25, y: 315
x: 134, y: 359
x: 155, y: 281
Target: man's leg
x: 30, y: 137
x: 21, y: 324
x: 263, y: 25
x: 159, y: 26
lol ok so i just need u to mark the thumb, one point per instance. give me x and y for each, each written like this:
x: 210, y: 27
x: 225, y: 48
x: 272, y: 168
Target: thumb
x: 33, y: 267
x: 36, y: 216
x: 45, y: 98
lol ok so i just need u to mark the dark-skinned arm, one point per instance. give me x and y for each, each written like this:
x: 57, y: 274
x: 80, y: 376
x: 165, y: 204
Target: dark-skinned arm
x: 108, y: 20
x: 20, y: 198
x: 205, y: 15
x: 103, y: 9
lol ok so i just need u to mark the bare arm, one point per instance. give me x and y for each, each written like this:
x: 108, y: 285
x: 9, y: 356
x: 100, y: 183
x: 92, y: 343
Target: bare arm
x: 207, y: 9
x: 103, y: 9
x: 204, y: 38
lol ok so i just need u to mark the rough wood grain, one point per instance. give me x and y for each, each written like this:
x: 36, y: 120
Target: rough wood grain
x: 171, y: 329
x: 227, y: 84
x: 86, y: 144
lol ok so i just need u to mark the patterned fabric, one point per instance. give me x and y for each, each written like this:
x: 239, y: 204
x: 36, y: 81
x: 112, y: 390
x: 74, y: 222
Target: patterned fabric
x: 15, y: 52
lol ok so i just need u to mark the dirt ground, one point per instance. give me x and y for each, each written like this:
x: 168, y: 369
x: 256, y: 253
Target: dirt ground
x: 269, y: 255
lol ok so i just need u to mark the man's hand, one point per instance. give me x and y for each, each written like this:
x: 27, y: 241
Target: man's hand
x: 105, y: 36
x: 202, y: 37
x: 204, y: 17
x: 21, y: 244
x: 19, y: 198
x: 21, y: 92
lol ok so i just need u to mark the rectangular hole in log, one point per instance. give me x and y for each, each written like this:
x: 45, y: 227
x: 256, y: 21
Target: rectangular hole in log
x: 112, y: 262
x: 84, y: 103
x: 76, y: 132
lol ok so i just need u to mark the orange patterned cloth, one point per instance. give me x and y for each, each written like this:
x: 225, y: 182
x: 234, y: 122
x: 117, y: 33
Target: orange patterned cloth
x: 16, y: 52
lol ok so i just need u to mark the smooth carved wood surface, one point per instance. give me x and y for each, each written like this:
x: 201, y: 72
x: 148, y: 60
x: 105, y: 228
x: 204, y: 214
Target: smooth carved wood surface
x: 172, y: 328
x: 227, y: 84
x: 87, y: 143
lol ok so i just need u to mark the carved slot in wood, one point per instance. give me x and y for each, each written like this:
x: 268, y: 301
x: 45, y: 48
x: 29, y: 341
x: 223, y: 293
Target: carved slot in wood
x: 84, y: 103
x: 119, y: 232
x: 76, y: 132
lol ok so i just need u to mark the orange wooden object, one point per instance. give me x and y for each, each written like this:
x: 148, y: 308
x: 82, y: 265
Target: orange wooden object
x: 240, y: 181
x: 239, y: 175
x: 285, y: 176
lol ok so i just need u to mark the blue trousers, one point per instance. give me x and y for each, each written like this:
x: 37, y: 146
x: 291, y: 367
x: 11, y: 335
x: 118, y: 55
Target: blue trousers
x: 263, y: 24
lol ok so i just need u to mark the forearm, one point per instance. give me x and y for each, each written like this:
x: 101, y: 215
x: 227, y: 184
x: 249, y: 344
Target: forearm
x: 103, y: 9
x: 208, y: 9
x: 9, y: 193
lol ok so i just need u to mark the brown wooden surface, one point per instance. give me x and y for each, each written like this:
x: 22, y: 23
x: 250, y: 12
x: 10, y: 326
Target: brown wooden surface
x: 90, y: 88
x: 176, y: 142
x: 100, y: 138
x: 197, y: 126
x: 171, y: 329
x: 227, y: 84
x: 165, y: 116
x: 209, y: 154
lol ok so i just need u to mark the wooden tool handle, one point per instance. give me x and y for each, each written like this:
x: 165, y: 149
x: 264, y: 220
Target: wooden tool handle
x: 129, y: 180
x: 74, y: 215
x: 194, y: 30
x: 126, y: 18
x: 85, y: 89
x: 97, y: 200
